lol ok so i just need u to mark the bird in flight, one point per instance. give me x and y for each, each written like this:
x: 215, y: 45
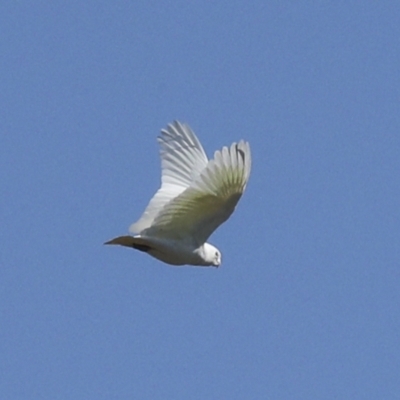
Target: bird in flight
x: 196, y: 196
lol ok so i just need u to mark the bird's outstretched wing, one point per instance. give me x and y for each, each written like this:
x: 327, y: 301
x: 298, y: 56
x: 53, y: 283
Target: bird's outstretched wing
x: 209, y: 201
x: 182, y: 160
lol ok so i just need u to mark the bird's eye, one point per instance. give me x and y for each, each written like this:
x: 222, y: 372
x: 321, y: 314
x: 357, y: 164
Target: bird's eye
x: 216, y: 254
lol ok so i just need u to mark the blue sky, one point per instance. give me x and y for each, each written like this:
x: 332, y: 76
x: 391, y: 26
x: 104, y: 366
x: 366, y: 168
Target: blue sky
x: 306, y: 303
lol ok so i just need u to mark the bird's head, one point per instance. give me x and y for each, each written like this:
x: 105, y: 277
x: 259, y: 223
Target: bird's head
x: 212, y: 256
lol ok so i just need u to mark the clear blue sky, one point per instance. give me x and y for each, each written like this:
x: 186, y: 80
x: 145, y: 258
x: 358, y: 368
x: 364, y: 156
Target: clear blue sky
x: 306, y: 304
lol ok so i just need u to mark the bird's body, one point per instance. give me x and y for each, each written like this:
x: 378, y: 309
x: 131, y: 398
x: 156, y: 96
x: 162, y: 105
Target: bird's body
x: 172, y: 252
x: 195, y: 197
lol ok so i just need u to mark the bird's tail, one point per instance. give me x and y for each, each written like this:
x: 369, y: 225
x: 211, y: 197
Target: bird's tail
x: 136, y: 242
x: 127, y: 241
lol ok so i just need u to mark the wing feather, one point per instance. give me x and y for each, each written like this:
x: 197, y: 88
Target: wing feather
x: 209, y: 201
x: 182, y: 160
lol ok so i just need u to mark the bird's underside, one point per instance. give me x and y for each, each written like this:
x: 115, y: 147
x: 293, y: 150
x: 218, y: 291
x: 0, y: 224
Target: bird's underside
x: 170, y: 252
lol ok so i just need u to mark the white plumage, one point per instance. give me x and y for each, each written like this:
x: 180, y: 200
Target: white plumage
x: 195, y: 197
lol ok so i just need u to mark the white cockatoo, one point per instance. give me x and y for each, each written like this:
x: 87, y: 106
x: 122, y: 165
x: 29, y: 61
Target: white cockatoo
x: 196, y: 196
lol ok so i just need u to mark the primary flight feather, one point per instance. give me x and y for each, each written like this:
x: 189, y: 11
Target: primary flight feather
x: 196, y: 196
